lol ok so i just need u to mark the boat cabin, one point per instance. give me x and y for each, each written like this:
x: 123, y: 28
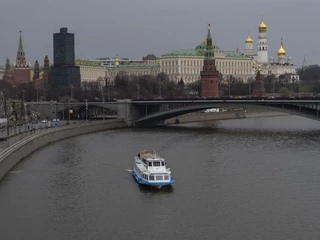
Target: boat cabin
x: 155, y: 166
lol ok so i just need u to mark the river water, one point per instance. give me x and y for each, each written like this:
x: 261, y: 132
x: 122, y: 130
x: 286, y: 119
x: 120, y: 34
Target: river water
x: 252, y: 178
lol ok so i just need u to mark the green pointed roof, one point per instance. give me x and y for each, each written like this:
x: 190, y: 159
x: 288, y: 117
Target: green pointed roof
x: 20, y: 48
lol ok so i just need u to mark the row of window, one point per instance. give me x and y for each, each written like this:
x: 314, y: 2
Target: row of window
x: 197, y: 71
x: 155, y: 177
x: 182, y: 62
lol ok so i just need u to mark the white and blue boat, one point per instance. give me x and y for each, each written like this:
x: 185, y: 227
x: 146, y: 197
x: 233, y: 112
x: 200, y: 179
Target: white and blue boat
x: 150, y: 169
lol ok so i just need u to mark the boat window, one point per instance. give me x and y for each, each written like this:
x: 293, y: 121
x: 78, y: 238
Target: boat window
x: 156, y: 164
x: 162, y: 163
x: 150, y: 164
x: 151, y: 178
x: 166, y: 177
x: 158, y: 177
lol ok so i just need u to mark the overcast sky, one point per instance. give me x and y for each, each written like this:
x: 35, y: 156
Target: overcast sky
x: 134, y: 28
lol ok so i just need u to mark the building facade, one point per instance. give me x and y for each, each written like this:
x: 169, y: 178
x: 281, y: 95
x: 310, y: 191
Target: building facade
x: 90, y: 70
x: 133, y: 69
x: 187, y: 64
x: 64, y: 72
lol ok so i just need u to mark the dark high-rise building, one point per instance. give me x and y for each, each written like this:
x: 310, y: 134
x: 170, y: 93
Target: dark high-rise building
x: 64, y: 72
x: 63, y: 47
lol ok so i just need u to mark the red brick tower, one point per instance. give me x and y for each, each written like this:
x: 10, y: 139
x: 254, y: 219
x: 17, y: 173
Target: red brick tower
x: 36, y: 71
x: 21, y: 71
x: 8, y: 75
x: 258, y: 86
x: 209, y: 74
x: 46, y: 70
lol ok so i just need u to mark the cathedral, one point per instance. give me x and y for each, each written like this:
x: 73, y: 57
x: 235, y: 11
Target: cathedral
x: 278, y: 67
x: 20, y: 72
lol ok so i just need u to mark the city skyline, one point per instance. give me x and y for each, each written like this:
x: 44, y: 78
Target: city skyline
x: 132, y: 31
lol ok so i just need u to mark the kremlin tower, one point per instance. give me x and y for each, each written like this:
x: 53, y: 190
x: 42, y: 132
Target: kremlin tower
x: 209, y: 74
x: 21, y: 71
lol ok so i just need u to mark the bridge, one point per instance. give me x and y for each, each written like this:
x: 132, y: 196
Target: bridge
x: 154, y: 112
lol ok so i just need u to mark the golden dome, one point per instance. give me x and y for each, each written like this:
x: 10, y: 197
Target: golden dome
x: 249, y: 40
x: 117, y: 59
x: 262, y: 26
x: 281, y: 51
x: 204, y: 42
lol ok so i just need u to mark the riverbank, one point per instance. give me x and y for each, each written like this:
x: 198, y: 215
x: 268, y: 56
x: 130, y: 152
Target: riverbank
x: 19, y: 150
x: 214, y: 116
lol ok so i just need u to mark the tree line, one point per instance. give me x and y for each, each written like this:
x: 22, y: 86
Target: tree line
x: 146, y: 87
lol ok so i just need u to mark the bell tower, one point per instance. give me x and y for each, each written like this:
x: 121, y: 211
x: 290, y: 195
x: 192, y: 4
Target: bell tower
x: 209, y: 74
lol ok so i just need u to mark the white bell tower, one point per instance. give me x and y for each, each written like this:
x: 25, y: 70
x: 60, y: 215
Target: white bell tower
x: 262, y: 43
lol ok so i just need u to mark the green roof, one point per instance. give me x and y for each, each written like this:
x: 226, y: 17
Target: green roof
x: 88, y: 63
x: 133, y: 65
x: 203, y: 47
x: 183, y: 52
x: 236, y: 55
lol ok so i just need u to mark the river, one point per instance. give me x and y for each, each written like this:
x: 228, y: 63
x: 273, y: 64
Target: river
x: 254, y: 178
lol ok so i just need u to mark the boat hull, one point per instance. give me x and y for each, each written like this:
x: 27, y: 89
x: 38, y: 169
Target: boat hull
x: 157, y: 185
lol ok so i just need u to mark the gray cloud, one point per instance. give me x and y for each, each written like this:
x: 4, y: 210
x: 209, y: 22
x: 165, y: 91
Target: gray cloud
x: 135, y: 28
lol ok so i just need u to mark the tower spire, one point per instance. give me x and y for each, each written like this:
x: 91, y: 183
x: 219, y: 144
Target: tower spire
x: 21, y: 58
x: 20, y: 48
x: 209, y: 33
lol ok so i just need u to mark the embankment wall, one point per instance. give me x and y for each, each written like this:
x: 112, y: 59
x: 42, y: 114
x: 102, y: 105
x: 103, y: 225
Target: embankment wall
x: 15, y: 153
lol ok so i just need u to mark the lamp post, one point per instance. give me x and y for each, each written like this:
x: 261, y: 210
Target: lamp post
x: 102, y: 99
x: 160, y: 83
x: 229, y: 86
x: 37, y: 94
x: 86, y: 100
x: 202, y: 87
x: 44, y: 94
x: 138, y: 91
x: 72, y: 92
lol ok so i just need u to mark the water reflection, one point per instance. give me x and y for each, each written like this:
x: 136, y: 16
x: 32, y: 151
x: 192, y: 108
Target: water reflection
x: 154, y: 191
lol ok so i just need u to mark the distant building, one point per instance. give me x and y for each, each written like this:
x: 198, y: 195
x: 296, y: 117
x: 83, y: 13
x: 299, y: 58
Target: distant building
x: 150, y: 59
x: 272, y: 66
x: 187, y: 64
x: 132, y: 69
x: 64, y: 72
x: 90, y: 70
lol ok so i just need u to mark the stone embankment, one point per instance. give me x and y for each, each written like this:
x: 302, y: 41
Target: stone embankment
x: 16, y: 152
x: 199, y: 117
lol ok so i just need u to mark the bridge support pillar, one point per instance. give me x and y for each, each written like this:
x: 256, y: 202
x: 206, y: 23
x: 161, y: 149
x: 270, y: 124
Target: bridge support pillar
x: 317, y: 110
x: 127, y: 112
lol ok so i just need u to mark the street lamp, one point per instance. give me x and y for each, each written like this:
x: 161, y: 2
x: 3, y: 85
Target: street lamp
x: 37, y: 94
x: 160, y: 83
x: 138, y: 90
x: 202, y: 87
x: 86, y: 100
x: 44, y: 94
x: 102, y: 98
x: 72, y: 92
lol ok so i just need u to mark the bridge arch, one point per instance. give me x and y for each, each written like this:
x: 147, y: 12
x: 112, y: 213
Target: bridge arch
x: 161, y: 116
